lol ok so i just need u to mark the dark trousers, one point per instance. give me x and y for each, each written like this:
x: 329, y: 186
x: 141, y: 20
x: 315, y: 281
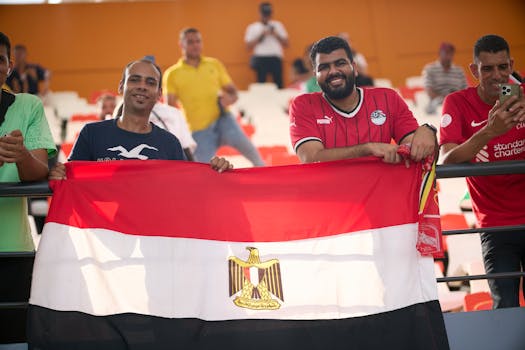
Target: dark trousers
x: 269, y: 65
x: 503, y: 252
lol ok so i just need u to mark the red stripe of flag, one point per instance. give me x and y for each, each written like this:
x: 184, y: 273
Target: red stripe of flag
x: 305, y: 199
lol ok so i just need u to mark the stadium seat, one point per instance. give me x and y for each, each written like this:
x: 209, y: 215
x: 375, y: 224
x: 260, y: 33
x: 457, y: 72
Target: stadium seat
x: 383, y: 82
x: 414, y: 81
x: 85, y: 117
x: 281, y: 159
x: 96, y: 94
x: 483, y: 301
x: 453, y: 222
x: 65, y: 151
x: 477, y: 301
x: 409, y: 93
x: 227, y: 151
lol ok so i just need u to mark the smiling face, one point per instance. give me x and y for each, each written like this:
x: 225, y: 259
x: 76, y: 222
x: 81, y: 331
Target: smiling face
x: 335, y: 74
x: 140, y: 88
x: 491, y: 69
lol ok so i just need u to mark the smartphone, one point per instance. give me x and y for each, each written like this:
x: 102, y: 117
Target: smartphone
x: 508, y: 90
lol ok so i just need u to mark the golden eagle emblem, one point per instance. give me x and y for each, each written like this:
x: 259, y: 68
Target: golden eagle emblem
x: 257, y: 281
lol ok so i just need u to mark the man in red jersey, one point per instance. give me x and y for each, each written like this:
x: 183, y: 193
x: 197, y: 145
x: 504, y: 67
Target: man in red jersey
x: 344, y: 121
x: 476, y: 127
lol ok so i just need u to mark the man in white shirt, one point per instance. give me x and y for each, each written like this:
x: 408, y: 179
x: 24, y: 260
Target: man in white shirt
x: 171, y: 119
x: 267, y: 38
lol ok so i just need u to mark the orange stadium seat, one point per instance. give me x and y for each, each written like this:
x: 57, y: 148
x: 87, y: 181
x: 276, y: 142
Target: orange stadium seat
x: 477, y: 301
x: 270, y: 150
x: 483, y: 301
x: 276, y: 155
x: 453, y: 222
x: 96, y: 94
x: 409, y: 93
x: 274, y: 159
x: 227, y: 151
x: 66, y: 148
x: 91, y: 117
x: 248, y: 129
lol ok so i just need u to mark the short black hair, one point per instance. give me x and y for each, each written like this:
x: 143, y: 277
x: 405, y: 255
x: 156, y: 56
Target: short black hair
x: 265, y: 8
x: 4, y: 40
x: 145, y: 60
x: 490, y: 43
x: 299, y: 67
x: 329, y: 44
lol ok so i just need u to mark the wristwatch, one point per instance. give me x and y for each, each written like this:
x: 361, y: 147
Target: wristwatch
x: 431, y: 127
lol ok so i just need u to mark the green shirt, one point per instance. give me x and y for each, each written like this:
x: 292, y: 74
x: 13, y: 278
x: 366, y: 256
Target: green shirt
x: 312, y: 86
x: 27, y: 115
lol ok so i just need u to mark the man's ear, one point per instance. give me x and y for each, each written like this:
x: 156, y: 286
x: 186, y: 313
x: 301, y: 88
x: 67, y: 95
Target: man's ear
x: 10, y: 68
x: 474, y: 70
x: 121, y: 87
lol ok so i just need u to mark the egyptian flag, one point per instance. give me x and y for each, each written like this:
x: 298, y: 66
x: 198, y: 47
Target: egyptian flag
x: 174, y: 255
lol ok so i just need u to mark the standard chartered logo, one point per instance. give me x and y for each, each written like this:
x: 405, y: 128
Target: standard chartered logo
x: 509, y: 149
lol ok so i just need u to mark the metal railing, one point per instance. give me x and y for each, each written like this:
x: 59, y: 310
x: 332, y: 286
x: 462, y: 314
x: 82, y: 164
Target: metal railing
x: 481, y: 169
x: 41, y: 188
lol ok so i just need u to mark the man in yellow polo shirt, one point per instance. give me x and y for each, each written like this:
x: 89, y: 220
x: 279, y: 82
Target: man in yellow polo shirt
x: 202, y: 87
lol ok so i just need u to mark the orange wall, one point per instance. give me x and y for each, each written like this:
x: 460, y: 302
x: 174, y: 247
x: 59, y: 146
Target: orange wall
x: 87, y: 45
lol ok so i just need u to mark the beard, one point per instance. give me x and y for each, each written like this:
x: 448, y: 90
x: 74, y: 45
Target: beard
x: 340, y: 92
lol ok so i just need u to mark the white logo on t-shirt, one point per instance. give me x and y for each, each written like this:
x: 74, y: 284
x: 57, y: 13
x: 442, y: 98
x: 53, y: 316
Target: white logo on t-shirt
x: 476, y: 124
x: 378, y: 117
x: 326, y: 120
x: 483, y: 155
x: 446, y: 119
x: 133, y: 153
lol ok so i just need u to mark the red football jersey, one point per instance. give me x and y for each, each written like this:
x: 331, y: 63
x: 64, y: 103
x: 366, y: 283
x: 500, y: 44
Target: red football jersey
x: 496, y: 200
x: 380, y: 116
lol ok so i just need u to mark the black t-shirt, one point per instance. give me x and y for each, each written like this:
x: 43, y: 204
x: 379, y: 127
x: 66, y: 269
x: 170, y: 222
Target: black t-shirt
x: 104, y: 141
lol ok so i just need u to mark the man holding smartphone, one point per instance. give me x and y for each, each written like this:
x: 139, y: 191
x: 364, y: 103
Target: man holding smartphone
x: 267, y: 38
x: 477, y: 126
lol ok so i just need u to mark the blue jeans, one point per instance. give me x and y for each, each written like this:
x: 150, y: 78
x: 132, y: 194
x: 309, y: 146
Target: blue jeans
x: 224, y: 131
x: 503, y: 252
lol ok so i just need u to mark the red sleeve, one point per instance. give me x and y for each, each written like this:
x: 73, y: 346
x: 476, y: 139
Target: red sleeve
x: 303, y: 125
x: 450, y: 129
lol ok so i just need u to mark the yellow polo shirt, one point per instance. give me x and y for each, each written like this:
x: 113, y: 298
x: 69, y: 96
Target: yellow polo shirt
x: 197, y: 89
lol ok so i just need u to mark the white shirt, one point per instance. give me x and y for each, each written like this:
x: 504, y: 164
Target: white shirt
x: 171, y: 119
x: 270, y: 45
